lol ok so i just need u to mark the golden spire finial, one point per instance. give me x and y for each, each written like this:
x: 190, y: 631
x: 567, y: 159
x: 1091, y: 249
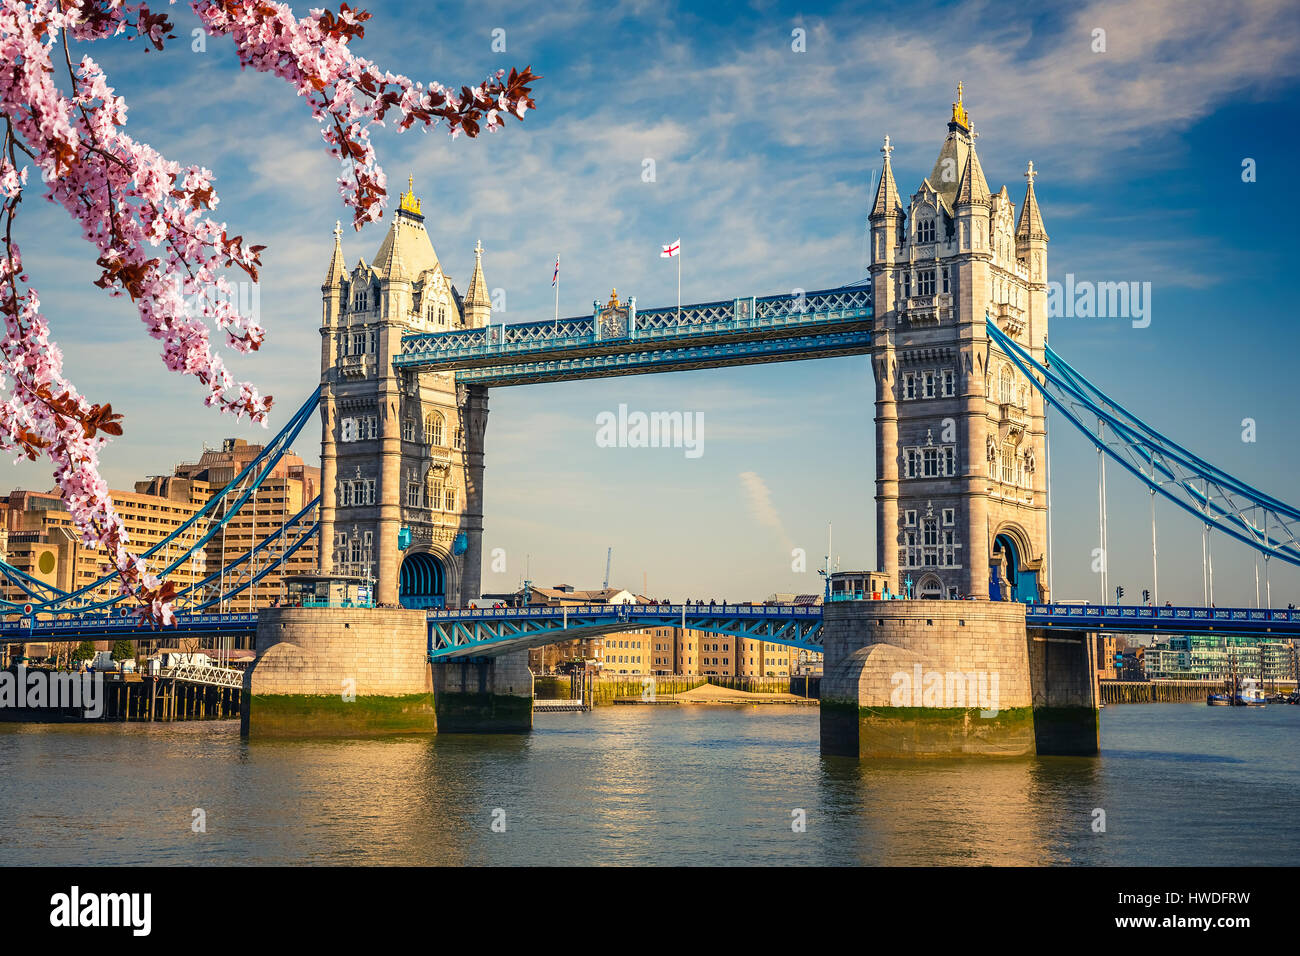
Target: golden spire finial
x: 959, y: 114
x: 613, y: 299
x: 409, y: 203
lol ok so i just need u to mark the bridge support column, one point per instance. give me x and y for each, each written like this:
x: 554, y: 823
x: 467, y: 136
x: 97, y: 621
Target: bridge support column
x: 484, y: 695
x: 935, y: 678
x: 1063, y: 673
x: 333, y: 672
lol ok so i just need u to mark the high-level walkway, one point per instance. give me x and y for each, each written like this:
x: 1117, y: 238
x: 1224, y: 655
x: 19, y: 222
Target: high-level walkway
x: 619, y: 340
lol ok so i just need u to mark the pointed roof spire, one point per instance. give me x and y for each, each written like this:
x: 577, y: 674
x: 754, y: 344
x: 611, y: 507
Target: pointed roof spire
x: 887, y: 202
x: 972, y: 187
x: 409, y: 203
x: 337, y: 269
x: 959, y: 115
x: 406, y: 251
x: 1030, y: 225
x: 477, y: 293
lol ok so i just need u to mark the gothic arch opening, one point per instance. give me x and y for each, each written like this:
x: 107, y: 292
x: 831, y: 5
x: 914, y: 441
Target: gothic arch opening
x: 423, y: 581
x: 930, y: 588
x: 1009, y: 570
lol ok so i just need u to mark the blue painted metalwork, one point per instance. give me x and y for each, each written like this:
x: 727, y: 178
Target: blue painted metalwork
x: 1259, y: 622
x: 488, y: 632
x: 652, y: 332
x: 824, y: 345
x: 191, y: 538
x: 306, y: 524
x: 1213, y: 496
x: 94, y: 626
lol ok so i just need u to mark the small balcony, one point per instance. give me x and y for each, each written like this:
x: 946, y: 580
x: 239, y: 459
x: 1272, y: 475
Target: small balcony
x: 1010, y: 318
x: 1013, y: 415
x: 928, y: 309
x: 357, y: 366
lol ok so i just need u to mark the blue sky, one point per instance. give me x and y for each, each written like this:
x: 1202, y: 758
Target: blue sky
x: 764, y: 161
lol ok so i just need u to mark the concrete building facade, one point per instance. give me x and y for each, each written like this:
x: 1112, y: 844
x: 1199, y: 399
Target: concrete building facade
x: 40, y: 539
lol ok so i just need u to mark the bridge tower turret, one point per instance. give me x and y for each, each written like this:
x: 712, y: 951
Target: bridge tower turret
x: 887, y: 225
x: 401, y: 499
x: 334, y: 298
x: 961, y: 490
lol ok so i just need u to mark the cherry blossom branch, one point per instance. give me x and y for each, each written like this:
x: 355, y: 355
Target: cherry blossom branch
x: 148, y: 217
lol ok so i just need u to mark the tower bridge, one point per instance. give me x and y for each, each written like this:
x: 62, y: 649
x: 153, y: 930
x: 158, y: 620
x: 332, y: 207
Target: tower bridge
x: 953, y: 317
x: 961, y: 491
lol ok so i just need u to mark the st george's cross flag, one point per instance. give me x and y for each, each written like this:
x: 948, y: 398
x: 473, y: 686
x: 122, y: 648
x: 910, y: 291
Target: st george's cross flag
x: 669, y: 251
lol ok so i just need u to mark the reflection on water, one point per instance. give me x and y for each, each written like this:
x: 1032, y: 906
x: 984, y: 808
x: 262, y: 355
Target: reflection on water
x: 1179, y: 784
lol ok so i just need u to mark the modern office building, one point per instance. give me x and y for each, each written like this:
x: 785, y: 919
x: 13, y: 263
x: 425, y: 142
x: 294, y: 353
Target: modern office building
x: 38, y: 537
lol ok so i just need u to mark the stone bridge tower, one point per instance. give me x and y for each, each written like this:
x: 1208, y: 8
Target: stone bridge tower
x: 401, y: 452
x: 961, y: 487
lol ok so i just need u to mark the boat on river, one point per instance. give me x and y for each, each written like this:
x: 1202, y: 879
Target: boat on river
x: 1249, y: 694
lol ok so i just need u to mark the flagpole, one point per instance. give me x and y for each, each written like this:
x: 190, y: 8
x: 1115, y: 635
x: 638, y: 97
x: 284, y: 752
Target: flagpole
x: 679, y: 281
x: 557, y: 294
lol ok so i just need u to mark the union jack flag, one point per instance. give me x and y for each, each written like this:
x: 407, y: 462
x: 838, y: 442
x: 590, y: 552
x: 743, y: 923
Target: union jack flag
x: 556, y: 277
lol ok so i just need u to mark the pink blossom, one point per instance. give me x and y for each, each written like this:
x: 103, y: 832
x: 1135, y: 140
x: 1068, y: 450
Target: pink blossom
x: 148, y: 218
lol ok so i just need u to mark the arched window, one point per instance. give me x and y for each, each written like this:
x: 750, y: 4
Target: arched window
x: 408, y: 430
x: 1008, y: 463
x: 433, y: 493
x: 925, y: 230
x: 1004, y: 386
x: 433, y: 429
x: 442, y: 315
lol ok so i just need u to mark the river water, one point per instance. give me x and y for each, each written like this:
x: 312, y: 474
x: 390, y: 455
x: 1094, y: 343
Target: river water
x: 1178, y: 783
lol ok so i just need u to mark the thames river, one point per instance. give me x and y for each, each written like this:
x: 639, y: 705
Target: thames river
x: 1178, y: 784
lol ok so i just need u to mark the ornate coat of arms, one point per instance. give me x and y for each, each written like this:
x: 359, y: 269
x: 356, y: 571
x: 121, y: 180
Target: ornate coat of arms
x: 612, y: 318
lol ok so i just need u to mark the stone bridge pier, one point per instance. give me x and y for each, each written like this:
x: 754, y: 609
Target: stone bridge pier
x: 938, y: 678
x: 484, y: 695
x: 333, y: 672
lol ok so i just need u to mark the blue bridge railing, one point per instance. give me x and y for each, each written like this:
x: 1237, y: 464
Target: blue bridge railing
x: 490, y: 631
x: 86, y: 626
x: 774, y: 316
x: 1174, y: 619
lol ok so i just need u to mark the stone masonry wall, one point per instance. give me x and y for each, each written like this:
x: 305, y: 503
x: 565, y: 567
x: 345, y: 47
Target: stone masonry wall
x: 867, y: 642
x: 507, y: 675
x: 313, y: 650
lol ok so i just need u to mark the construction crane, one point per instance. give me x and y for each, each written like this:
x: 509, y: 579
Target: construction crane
x: 609, y: 556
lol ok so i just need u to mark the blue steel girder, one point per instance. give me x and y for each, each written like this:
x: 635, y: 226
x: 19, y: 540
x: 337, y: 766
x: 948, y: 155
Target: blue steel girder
x: 107, y: 626
x: 190, y: 537
x: 1256, y: 622
x: 1211, y: 495
x: 796, y: 315
x: 824, y: 345
x: 490, y: 632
